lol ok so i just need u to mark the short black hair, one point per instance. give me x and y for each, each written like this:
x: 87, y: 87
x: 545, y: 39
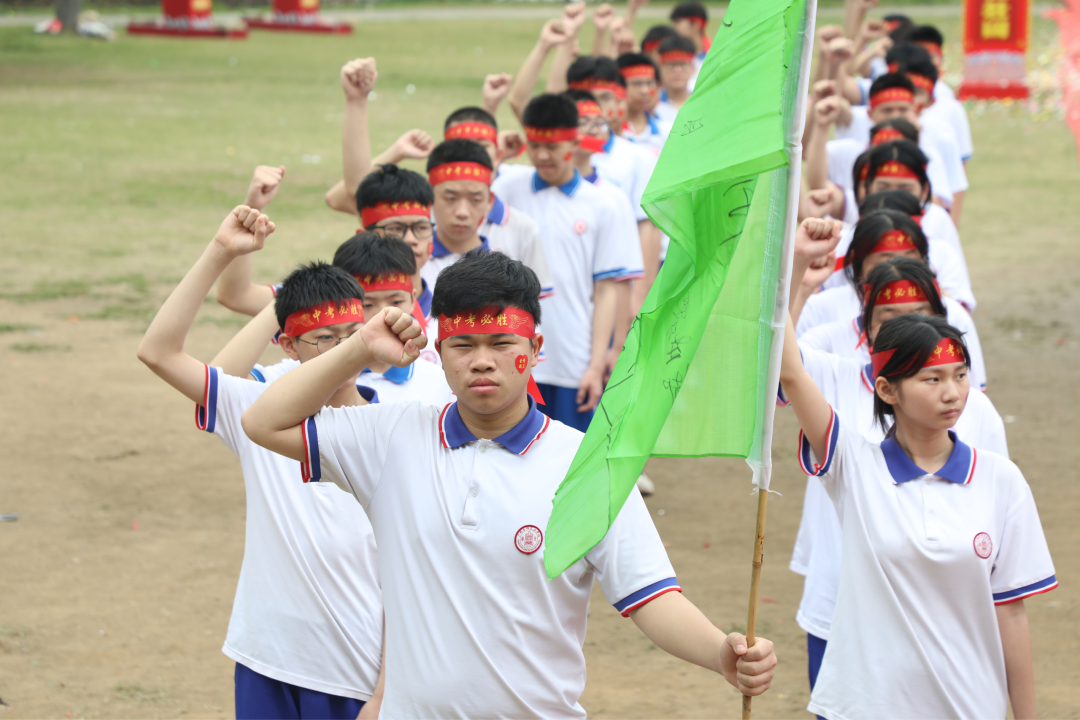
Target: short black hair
x: 902, y: 126
x: 369, y: 253
x: 904, y: 152
x: 907, y: 57
x: 589, y: 67
x: 870, y: 228
x: 689, y: 10
x: 481, y: 279
x: 657, y: 34
x: 891, y: 80
x: 858, y: 167
x: 470, y: 114
x: 314, y: 284
x: 678, y: 42
x: 578, y: 95
x: 904, y: 25
x: 458, y: 151
x: 899, y: 268
x: 550, y: 111
x: 898, y: 200
x: 925, y: 33
x: 629, y: 59
x: 390, y: 183
x: 913, y: 337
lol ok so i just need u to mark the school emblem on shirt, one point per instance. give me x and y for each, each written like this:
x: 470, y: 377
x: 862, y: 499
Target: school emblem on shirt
x: 983, y: 545
x: 528, y: 539
x: 580, y: 226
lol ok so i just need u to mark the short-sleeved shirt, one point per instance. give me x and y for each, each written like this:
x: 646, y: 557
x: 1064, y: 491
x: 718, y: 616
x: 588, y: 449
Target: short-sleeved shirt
x: 842, y: 155
x: 419, y: 381
x: 632, y: 238
x: 583, y: 233
x: 926, y: 559
x: 308, y: 608
x: 848, y: 386
x: 952, y: 111
x: 653, y: 136
x: 665, y: 109
x: 473, y: 626
x: 628, y: 166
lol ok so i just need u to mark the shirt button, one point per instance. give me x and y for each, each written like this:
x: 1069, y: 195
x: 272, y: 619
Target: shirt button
x: 483, y: 448
x: 475, y: 492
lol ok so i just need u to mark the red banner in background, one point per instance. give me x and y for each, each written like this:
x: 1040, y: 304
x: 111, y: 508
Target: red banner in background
x: 995, y: 47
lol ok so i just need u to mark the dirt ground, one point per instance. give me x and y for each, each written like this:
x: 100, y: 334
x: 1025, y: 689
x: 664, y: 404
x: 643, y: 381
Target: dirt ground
x: 117, y: 579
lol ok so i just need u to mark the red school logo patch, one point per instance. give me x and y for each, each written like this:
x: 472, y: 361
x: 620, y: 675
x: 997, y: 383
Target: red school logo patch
x: 528, y: 539
x: 983, y: 545
x: 580, y: 226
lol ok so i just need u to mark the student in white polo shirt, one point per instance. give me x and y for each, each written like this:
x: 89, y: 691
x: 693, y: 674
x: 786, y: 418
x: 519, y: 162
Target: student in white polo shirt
x: 307, y: 621
x: 690, y: 20
x: 581, y: 228
x: 458, y: 498
x: 460, y: 174
x: 676, y: 61
x: 642, y: 125
x: 946, y: 107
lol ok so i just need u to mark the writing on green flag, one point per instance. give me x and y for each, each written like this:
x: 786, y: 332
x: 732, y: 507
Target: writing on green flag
x: 720, y: 191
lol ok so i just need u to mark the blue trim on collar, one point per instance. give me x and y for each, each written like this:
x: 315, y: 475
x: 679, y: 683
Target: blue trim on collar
x: 500, y: 212
x: 439, y: 250
x: 591, y: 177
x: 395, y: 375
x: 663, y: 95
x: 517, y: 439
x: 957, y: 469
x: 654, y: 129
x: 610, y: 142
x: 425, y: 298
x: 567, y: 188
x: 368, y: 393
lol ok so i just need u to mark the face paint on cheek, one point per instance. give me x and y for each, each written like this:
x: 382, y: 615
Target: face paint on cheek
x: 567, y: 156
x: 521, y: 363
x: 652, y: 91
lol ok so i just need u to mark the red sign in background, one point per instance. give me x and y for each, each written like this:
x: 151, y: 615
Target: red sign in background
x: 996, y: 36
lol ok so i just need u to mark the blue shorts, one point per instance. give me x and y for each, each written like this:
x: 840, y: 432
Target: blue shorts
x: 260, y: 698
x: 561, y: 404
x: 815, y: 651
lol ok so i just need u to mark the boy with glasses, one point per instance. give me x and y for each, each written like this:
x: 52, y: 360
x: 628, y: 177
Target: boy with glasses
x: 642, y: 126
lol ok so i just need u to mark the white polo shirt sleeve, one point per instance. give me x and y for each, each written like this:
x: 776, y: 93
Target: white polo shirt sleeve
x: 532, y: 250
x: 225, y: 398
x: 614, y: 257
x: 1022, y: 566
x: 828, y: 469
x: 630, y: 562
x: 630, y: 237
x: 349, y: 446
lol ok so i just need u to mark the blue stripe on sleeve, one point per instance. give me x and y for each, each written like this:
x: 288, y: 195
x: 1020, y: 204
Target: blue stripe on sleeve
x: 645, y: 594
x: 1042, y: 586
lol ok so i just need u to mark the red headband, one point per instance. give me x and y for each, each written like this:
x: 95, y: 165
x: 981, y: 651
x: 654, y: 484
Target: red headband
x: 893, y: 241
x: 596, y: 84
x: 892, y: 94
x: 895, y: 169
x: 931, y: 47
x: 587, y: 108
x: 885, y: 135
x: 460, y: 171
x: 487, y: 322
x: 672, y: 56
x: 322, y: 315
x: 650, y: 45
x: 922, y: 82
x: 946, y: 352
x: 385, y: 281
x: 550, y: 135
x: 698, y: 22
x: 471, y: 131
x: 592, y: 143
x: 620, y: 92
x: 376, y: 213
x: 637, y: 71
x: 891, y: 25
x: 895, y: 293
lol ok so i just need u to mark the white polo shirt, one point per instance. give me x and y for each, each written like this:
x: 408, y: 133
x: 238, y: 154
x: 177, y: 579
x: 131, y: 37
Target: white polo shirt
x: 473, y: 626
x: 926, y: 559
x: 584, y: 231
x: 308, y: 608
x: 842, y: 155
x: 627, y: 166
x: 632, y: 238
x: 950, y: 110
x: 848, y: 386
x: 665, y: 109
x: 653, y: 136
x: 422, y: 381
x: 937, y: 225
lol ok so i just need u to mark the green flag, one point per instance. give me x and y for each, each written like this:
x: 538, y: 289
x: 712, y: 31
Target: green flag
x: 725, y: 190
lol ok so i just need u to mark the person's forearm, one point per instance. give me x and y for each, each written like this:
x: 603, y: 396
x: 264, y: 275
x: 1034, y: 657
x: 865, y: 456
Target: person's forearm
x: 846, y: 85
x: 1016, y: 642
x: 957, y: 205
x: 564, y: 58
x: 678, y: 628
x: 236, y: 291
x: 624, y: 316
x: 817, y: 157
x: 599, y: 43
x: 854, y: 14
x: 338, y: 198
x: 860, y: 64
x: 527, y: 77
x: 810, y: 406
x: 355, y: 144
x: 241, y: 353
x: 605, y: 298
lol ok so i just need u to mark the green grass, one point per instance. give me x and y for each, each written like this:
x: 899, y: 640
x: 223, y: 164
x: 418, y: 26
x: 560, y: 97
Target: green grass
x: 39, y: 348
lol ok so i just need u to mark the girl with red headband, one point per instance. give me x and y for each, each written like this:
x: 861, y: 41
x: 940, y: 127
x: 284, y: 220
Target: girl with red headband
x: 940, y: 540
x: 897, y: 288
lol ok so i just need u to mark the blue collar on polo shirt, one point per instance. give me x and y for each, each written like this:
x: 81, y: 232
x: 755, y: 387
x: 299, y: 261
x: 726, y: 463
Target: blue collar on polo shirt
x: 591, y: 177
x: 396, y: 375
x: 567, y: 188
x: 368, y: 393
x: 957, y: 469
x: 610, y: 142
x: 517, y: 440
x: 663, y: 95
x: 500, y: 212
x: 425, y: 298
x: 654, y: 129
x: 439, y: 250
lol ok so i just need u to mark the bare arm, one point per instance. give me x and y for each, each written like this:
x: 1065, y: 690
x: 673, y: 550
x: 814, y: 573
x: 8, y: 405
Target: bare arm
x: 494, y: 90
x: 162, y: 348
x: 957, y: 205
x: 357, y: 81
x: 413, y: 145
x: 649, y: 235
x: 241, y: 353
x: 274, y: 420
x: 235, y: 289
x: 605, y: 302
x: 677, y: 627
x: 602, y: 17
x: 817, y: 154
x: 552, y: 35
x: 573, y: 18
x: 1016, y: 642
x: 370, y: 711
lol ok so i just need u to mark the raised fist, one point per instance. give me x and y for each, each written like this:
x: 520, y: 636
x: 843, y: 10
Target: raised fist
x: 821, y: 90
x: 573, y: 17
x: 264, y: 186
x: 414, y: 145
x: 392, y: 336
x: 243, y: 231
x: 841, y: 49
x: 511, y: 144
x: 496, y: 86
x: 827, y: 112
x: 817, y: 237
x: 358, y: 78
x: 554, y: 33
x: 827, y: 33
x: 602, y: 17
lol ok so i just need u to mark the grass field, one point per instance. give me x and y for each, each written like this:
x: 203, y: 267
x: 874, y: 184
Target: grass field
x: 118, y: 161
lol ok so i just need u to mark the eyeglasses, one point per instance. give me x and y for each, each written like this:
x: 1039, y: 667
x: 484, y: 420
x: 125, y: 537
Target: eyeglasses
x: 327, y: 342
x: 421, y: 230
x: 591, y: 124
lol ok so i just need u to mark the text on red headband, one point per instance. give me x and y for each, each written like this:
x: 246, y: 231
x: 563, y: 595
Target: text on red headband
x: 323, y: 315
x: 885, y: 135
x: 550, y: 135
x: 674, y: 56
x: 893, y: 241
x: 637, y: 71
x: 471, y: 131
x: 595, y: 84
x: 487, y: 321
x: 897, y: 292
x: 460, y: 171
x: 371, y: 215
x: 895, y: 169
x: 946, y: 352
x: 587, y: 108
x: 385, y: 281
x: 893, y: 94
x: 922, y: 82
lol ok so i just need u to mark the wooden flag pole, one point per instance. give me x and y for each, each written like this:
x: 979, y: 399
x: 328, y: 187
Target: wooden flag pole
x: 755, y: 582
